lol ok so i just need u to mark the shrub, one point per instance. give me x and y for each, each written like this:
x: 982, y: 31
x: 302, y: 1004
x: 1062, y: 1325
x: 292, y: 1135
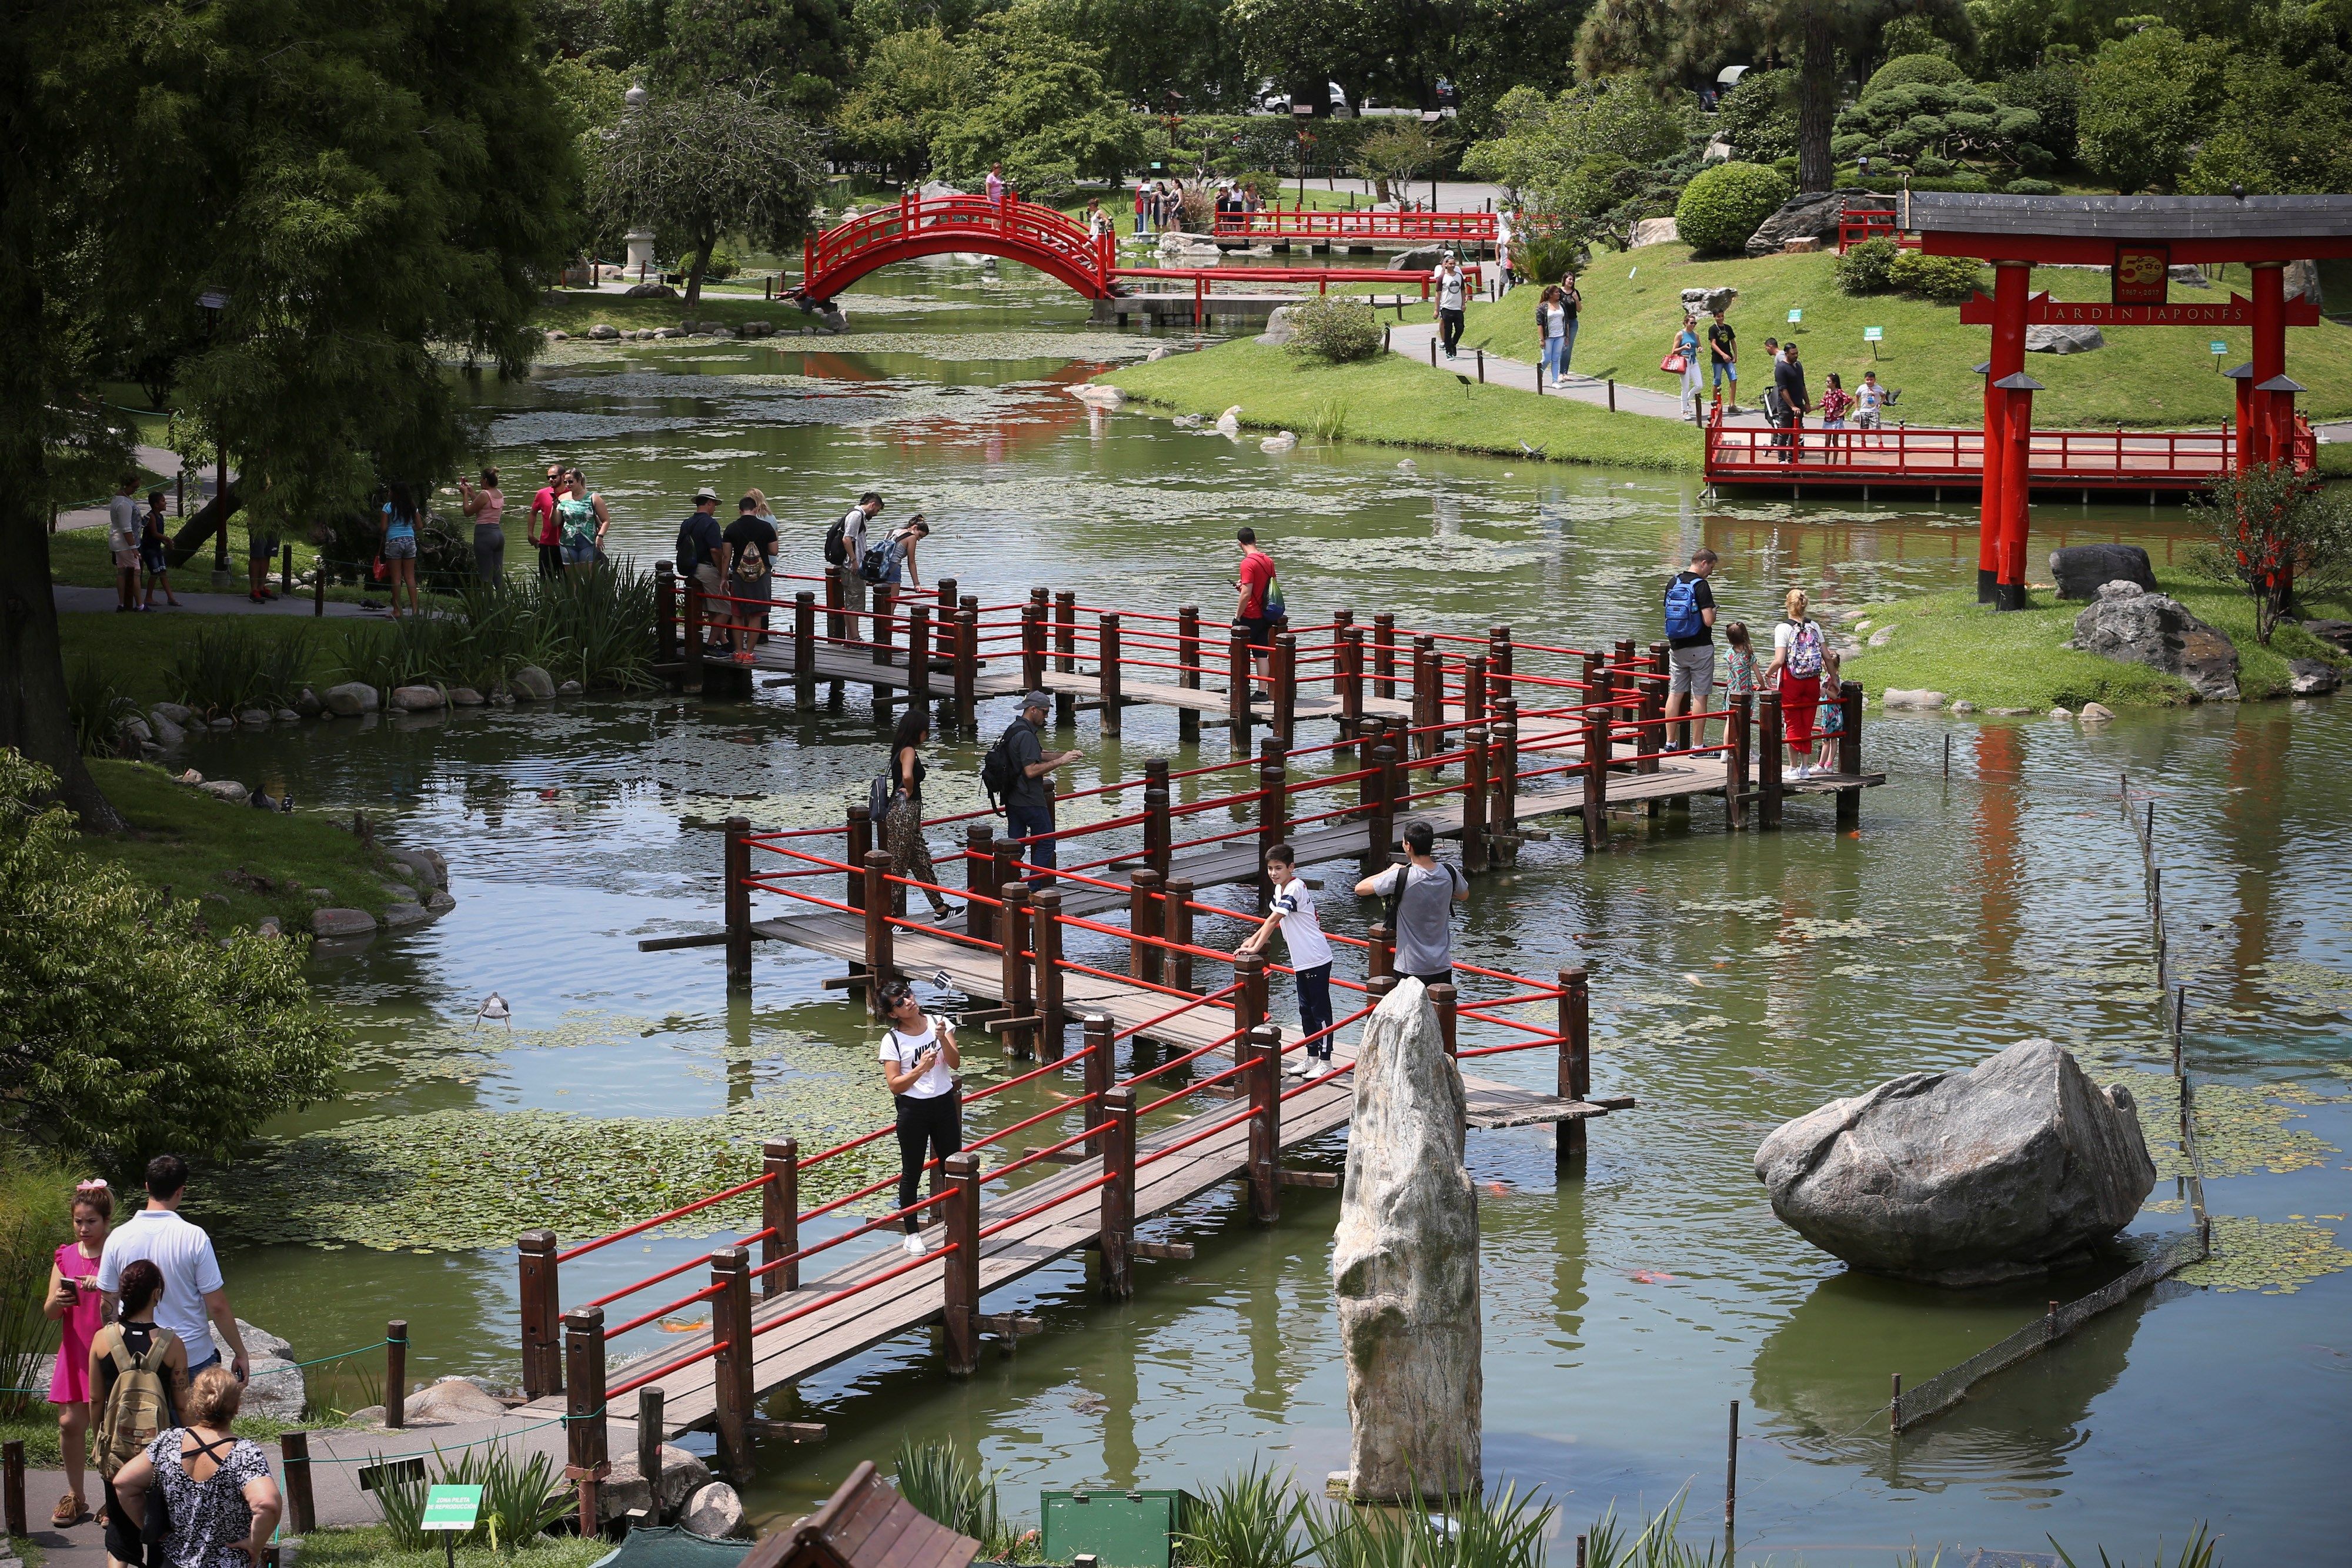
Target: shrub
x: 945, y: 1485
x: 723, y: 265
x: 1335, y: 327
x: 100, y: 700
x: 1269, y: 183
x: 1758, y: 116
x: 1725, y: 204
x: 2031, y: 188
x: 1933, y: 70
x: 1942, y: 279
x: 1868, y: 268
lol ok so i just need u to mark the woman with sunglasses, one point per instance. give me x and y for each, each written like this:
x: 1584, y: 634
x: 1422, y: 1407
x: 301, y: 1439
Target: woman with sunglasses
x: 918, y: 1062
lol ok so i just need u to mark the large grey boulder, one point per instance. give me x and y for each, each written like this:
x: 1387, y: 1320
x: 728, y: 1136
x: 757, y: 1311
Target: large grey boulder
x: 2001, y: 1172
x: 1419, y: 258
x: 531, y: 684
x: 400, y: 916
x: 450, y: 1402
x: 178, y: 712
x: 649, y: 289
x: 341, y: 923
x: 2313, y: 677
x: 2081, y: 570
x: 1809, y: 214
x: 431, y: 866
x: 226, y: 791
x: 716, y: 1511
x: 2064, y: 339
x: 1404, y: 1262
x: 2131, y: 626
x: 682, y: 1475
x: 1280, y: 328
x: 2303, y: 278
x: 1706, y: 302
x: 1652, y: 231
x: 416, y: 699
x: 273, y: 1388
x: 350, y: 700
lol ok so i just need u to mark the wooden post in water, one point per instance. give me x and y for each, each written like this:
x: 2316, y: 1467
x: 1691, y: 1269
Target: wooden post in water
x: 737, y: 903
x: 301, y: 1512
x: 1159, y: 827
x: 1143, y: 956
x: 859, y: 840
x: 1653, y: 709
x: 1474, y: 799
x: 881, y: 622
x: 1849, y: 753
x: 918, y: 655
x: 1351, y: 682
x: 1012, y: 937
x: 1098, y: 1069
x: 804, y: 650
x: 1284, y: 671
x: 1498, y: 661
x: 1237, y: 688
x: 691, y: 655
x: 1262, y: 1050
x: 1065, y: 653
x: 979, y: 877
x: 1575, y: 1080
x: 836, y: 602
x: 1046, y: 940
x: 1506, y: 824
x: 1428, y: 697
x: 1116, y: 1110
x: 1596, y: 775
x: 1768, y: 760
x: 1473, y: 689
x: 1106, y: 677
x: 780, y: 1215
x: 542, y: 1345
x: 650, y: 1433
x: 583, y: 1409
x: 731, y: 1378
x: 1191, y: 657
x: 1738, y: 737
x: 1443, y: 999
x: 946, y: 587
x: 960, y: 1263
x: 665, y: 612
x: 1384, y: 657
x: 877, y: 929
x: 1176, y: 922
x: 1249, y: 1001
x: 1273, y: 817
x: 1033, y: 639
x: 1379, y: 796
x: 395, y: 1372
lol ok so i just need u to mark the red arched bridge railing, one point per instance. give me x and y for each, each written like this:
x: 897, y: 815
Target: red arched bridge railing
x: 1025, y: 232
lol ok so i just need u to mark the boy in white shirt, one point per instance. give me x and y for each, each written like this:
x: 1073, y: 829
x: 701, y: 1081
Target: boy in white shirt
x: 1310, y: 953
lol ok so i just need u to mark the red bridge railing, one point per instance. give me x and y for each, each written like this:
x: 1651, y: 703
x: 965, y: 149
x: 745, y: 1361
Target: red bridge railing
x: 1022, y: 231
x: 1313, y: 224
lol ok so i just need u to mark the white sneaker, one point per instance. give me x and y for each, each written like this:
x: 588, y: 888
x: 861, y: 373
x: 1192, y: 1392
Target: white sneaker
x: 914, y: 1245
x: 1294, y: 1068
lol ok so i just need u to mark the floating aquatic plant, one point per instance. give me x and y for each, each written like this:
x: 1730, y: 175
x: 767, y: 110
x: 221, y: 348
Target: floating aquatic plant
x: 2274, y: 1257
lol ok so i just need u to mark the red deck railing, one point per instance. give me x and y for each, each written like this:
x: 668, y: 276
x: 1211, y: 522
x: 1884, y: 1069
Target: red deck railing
x: 1314, y: 224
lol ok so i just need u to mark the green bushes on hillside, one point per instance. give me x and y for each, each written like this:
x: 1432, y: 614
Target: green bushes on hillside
x: 1721, y: 207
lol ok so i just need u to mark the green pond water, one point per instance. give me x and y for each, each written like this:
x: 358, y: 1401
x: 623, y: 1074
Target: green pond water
x: 1739, y: 980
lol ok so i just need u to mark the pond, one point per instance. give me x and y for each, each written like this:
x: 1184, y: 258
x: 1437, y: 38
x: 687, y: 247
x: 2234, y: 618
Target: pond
x: 1992, y: 892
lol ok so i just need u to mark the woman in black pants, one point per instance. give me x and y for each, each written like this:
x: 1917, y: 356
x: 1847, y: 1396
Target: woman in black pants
x: 918, y: 1062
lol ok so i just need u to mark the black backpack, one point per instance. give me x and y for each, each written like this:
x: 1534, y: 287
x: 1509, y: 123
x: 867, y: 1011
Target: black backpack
x: 690, y: 548
x: 880, y: 794
x: 997, y: 772
x: 836, y: 547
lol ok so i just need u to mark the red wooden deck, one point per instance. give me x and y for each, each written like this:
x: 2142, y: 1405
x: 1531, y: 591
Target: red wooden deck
x: 1362, y: 227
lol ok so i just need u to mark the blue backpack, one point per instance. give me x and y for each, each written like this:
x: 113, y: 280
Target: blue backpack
x: 1683, y: 616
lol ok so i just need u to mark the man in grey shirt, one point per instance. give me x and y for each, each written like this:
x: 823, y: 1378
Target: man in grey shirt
x: 1029, y: 808
x: 1425, y: 910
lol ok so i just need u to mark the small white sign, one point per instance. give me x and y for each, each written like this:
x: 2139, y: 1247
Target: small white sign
x: 1874, y: 334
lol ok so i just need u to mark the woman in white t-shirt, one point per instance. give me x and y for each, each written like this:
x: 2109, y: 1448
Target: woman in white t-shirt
x: 1310, y: 952
x: 918, y: 1062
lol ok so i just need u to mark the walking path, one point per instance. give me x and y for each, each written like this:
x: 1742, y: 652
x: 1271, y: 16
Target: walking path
x: 155, y: 460
x: 1412, y: 340
x: 81, y: 601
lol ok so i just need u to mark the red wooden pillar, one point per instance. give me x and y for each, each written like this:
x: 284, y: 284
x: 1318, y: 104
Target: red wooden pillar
x: 2270, y: 354
x: 960, y: 1263
x: 2012, y: 282
x: 2016, y: 484
x: 2242, y: 451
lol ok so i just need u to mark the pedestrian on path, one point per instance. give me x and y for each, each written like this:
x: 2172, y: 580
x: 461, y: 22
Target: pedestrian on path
x: 1690, y: 658
x: 1795, y: 673
x: 1683, y: 360
x: 1292, y: 910
x: 581, y: 519
x: 122, y: 541
x: 487, y: 507
x: 193, y: 1291
x: 138, y: 1377
x: 261, y: 548
x: 219, y: 1494
x: 902, y: 822
x: 546, y: 533
x: 73, y: 1302
x: 702, y: 556
x: 399, y: 547
x: 1552, y: 331
x: 1451, y: 298
x: 918, y: 1062
x: 750, y: 541
x: 154, y: 551
x: 1029, y: 805
x: 1258, y: 608
x: 1505, y: 264
x: 1788, y: 380
x: 1723, y: 352
x: 1142, y: 209
x: 1421, y: 894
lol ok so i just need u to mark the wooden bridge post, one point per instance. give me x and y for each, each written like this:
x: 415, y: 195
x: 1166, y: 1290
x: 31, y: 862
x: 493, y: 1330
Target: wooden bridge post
x: 1372, y: 797
x: 1249, y: 1001
x: 804, y: 650
x: 1428, y: 696
x: 1176, y: 925
x: 836, y: 602
x: 1351, y: 683
x: 859, y: 837
x: 1474, y: 799
x: 1498, y: 661
x: 1238, y: 680
x: 1284, y: 671
x: 1033, y: 639
x: 881, y: 628
x: 666, y: 613
x: 1116, y: 1110
x: 1473, y: 689
x: 1012, y: 937
x: 301, y: 1509
x: 979, y: 877
x: 1143, y: 958
x: 1849, y: 753
x: 1046, y: 940
x: 583, y: 1408
x: 730, y: 1328
x: 879, y: 959
x: 737, y: 903
x: 542, y: 1340
x: 1157, y: 828
x: 1191, y: 658
x: 1596, y: 775
x: 1653, y: 709
x: 1506, y: 824
x: 918, y: 655
x: 651, y: 1429
x: 1444, y: 1000
x: 1384, y: 657
x: 1380, y: 952
x: 1107, y: 677
x: 960, y: 1262
x: 395, y: 1372
x: 691, y: 655
x: 1099, y: 1069
x: 1273, y: 817
x: 1738, y: 744
x: 1065, y: 653
x: 967, y: 668
x: 946, y: 589
x: 1263, y: 1052
x: 1768, y: 760
x: 780, y: 1213
x: 1575, y: 1080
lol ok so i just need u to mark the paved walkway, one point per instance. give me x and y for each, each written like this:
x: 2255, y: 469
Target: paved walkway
x: 83, y: 600
x: 1412, y: 340
x: 155, y: 460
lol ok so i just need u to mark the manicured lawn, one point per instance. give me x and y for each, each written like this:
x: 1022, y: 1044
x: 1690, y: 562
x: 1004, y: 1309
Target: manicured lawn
x: 2160, y: 376
x: 371, y: 1548
x: 1395, y: 401
x: 139, y: 651
x: 1948, y: 642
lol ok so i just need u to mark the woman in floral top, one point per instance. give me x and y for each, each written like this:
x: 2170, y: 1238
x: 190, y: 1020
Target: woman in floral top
x: 218, y: 1489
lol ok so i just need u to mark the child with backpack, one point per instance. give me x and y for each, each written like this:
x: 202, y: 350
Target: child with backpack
x: 138, y: 1379
x: 74, y: 1302
x: 1796, y: 673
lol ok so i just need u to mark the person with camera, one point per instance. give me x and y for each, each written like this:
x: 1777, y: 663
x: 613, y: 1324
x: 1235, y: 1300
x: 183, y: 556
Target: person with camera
x: 918, y: 1062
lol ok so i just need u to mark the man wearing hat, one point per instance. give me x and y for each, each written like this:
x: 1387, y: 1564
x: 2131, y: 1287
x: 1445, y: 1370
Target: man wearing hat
x: 1029, y: 808
x: 702, y: 552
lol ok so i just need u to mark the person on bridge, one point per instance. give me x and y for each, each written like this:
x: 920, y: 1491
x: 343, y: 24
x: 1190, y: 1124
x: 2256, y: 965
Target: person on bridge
x: 1788, y: 379
x: 750, y: 541
x: 996, y: 182
x: 1421, y: 894
x: 1452, y: 295
x: 902, y: 823
x: 1795, y: 673
x: 1723, y: 352
x: 918, y: 1062
x: 1292, y: 910
x: 1029, y: 808
x: 703, y: 555
x: 1690, y: 636
x: 1258, y: 611
x: 853, y: 557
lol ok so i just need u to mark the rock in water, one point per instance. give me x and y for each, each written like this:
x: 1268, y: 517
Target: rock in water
x: 2081, y: 570
x: 1964, y: 1179
x: 2131, y: 626
x: 2313, y: 677
x: 533, y: 684
x: 1405, y: 1263
x: 715, y: 1511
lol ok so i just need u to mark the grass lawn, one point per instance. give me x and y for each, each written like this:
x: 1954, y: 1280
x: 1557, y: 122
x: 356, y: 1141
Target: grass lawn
x: 2145, y: 376
x: 188, y: 842
x: 139, y: 651
x: 38, y: 1432
x: 1947, y: 642
x: 1393, y: 401
x: 372, y: 1547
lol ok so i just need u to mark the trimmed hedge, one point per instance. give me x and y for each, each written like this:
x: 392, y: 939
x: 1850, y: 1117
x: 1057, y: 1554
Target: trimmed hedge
x: 1722, y: 206
x: 1942, y: 279
x: 1334, y: 327
x: 1867, y: 268
x: 1931, y: 69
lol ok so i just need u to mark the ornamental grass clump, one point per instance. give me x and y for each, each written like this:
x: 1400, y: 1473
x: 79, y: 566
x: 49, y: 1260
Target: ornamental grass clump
x: 1254, y: 1519
x: 1334, y: 327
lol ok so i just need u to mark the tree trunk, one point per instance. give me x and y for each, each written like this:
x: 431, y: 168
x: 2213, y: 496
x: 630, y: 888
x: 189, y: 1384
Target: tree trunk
x: 34, y: 717
x: 694, y: 275
x: 1816, y: 104
x: 197, y: 530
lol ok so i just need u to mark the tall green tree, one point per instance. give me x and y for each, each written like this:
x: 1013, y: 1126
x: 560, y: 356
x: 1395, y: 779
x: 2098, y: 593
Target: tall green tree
x: 2279, y: 133
x: 2146, y: 100
x: 912, y: 82
x: 1046, y: 114
x: 1153, y: 47
x: 797, y: 50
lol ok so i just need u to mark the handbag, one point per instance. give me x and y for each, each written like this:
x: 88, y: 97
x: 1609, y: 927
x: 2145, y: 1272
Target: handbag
x: 1675, y: 364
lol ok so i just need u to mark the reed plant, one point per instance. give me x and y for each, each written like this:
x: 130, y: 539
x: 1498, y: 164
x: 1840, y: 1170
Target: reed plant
x: 35, y: 1219
x: 402, y: 1498
x: 100, y: 700
x: 946, y: 1485
x: 1330, y: 420
x: 1254, y: 1520
x: 593, y: 627
x: 1472, y: 1529
x: 2201, y: 1550
x: 520, y: 1494
x: 222, y: 669
x: 1654, y: 1544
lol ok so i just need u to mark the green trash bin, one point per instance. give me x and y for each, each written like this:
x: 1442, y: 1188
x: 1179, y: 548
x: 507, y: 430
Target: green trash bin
x: 1118, y: 1529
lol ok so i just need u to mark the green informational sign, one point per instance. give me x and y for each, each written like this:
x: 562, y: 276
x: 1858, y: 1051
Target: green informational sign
x: 1874, y: 334
x: 2218, y: 348
x: 452, y: 1508
x: 1795, y: 316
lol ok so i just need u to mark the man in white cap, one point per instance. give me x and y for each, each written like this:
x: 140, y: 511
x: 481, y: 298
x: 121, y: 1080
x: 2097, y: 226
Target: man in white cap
x: 1029, y: 808
x: 702, y: 554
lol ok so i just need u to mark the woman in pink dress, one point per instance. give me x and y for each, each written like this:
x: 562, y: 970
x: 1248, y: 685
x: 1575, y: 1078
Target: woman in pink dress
x: 73, y: 1300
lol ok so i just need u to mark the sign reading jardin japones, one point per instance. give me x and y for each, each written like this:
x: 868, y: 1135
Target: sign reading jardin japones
x: 2041, y: 310
x: 2141, y: 272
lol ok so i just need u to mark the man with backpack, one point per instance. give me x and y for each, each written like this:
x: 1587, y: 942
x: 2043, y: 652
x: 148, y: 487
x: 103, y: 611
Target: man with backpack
x: 194, y: 1291
x: 844, y: 551
x: 1017, y: 769
x: 1261, y: 601
x: 702, y: 555
x: 1690, y: 657
x: 750, y: 541
x: 1421, y: 893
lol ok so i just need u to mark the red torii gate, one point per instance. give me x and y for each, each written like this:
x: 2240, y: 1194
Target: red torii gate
x: 2137, y: 238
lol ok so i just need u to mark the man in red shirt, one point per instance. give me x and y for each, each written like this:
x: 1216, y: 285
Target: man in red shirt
x: 1254, y: 615
x: 543, y: 532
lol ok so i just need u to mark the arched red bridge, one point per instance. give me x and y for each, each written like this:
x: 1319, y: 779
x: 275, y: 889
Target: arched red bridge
x: 1020, y: 231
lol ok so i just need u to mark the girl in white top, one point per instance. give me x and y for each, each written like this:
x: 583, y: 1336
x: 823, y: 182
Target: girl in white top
x: 1310, y: 953
x: 918, y: 1062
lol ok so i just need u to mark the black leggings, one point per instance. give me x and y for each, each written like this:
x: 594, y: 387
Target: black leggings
x: 933, y: 1124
